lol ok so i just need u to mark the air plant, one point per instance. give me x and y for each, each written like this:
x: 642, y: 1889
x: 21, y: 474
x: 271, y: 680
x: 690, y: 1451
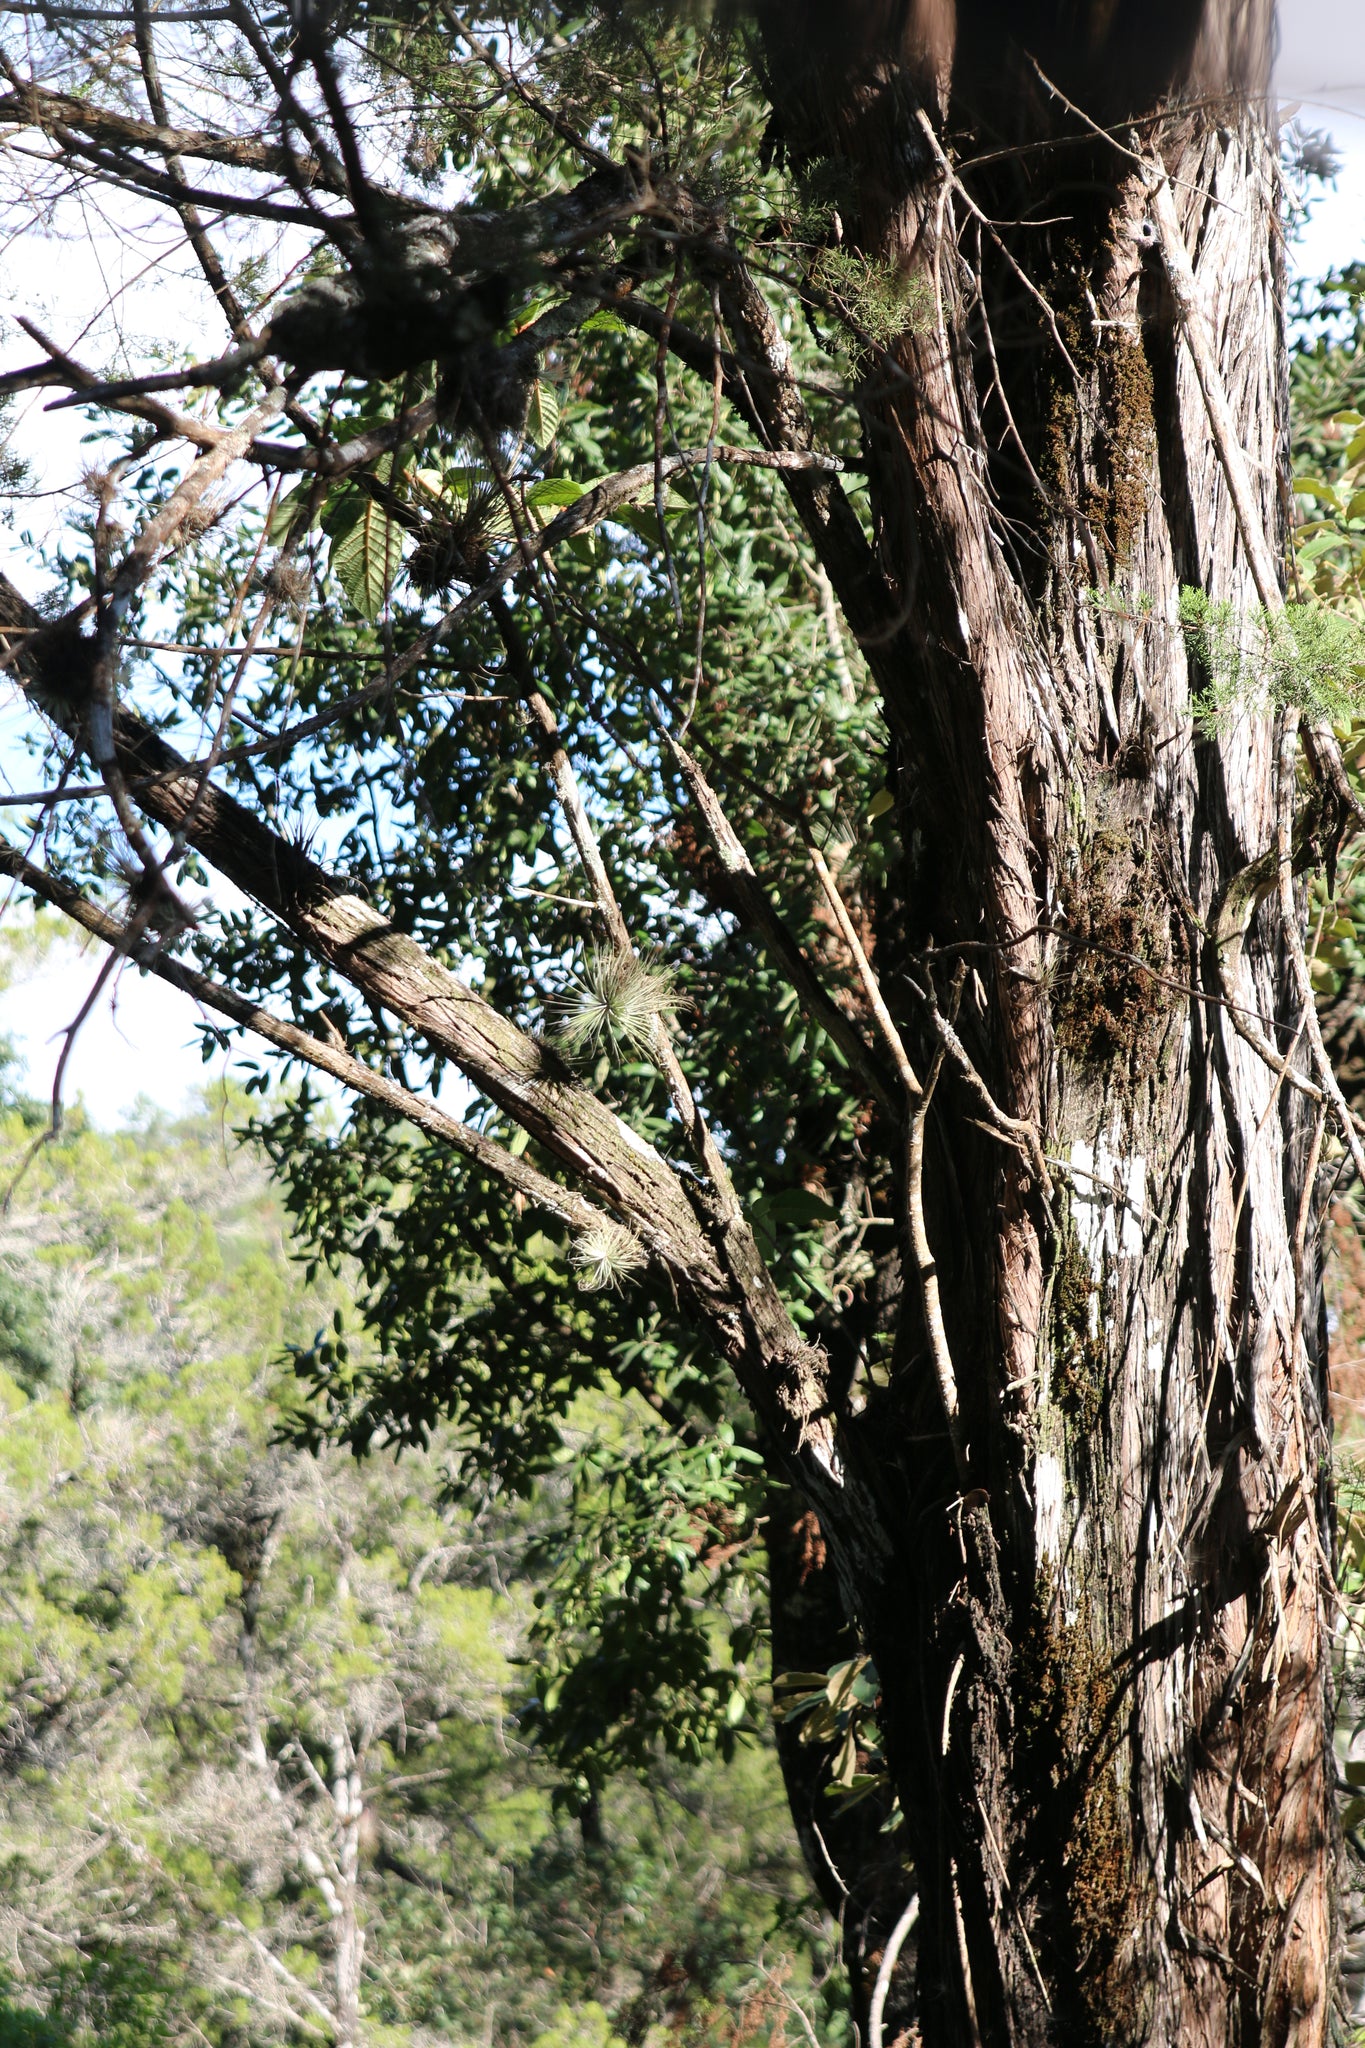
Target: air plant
x: 607, y: 1255
x: 616, y: 1003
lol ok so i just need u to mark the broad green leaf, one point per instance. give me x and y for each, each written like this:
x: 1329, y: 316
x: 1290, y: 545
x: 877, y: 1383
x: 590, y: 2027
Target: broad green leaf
x: 288, y: 510
x: 543, y: 418
x: 603, y: 321
x: 839, y: 1678
x: 366, y: 560
x: 341, y: 512
x: 643, y: 520
x: 844, y: 1769
x: 554, y: 490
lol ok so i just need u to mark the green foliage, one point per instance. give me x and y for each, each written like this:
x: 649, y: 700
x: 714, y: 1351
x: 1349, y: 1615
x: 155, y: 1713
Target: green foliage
x: 443, y: 1318
x: 15, y: 474
x: 879, y: 301
x: 1305, y: 655
x: 646, y: 1636
x: 837, y: 1708
x: 1328, y: 390
x: 1328, y: 394
x: 198, y: 1620
x: 367, y: 544
x: 588, y: 2027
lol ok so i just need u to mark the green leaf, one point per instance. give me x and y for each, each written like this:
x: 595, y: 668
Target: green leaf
x: 554, y: 490
x: 287, y: 511
x: 844, y: 1769
x: 880, y: 804
x: 643, y: 520
x: 604, y: 322
x: 341, y: 511
x: 542, y: 421
x: 839, y: 1680
x: 366, y: 559
x: 1314, y: 487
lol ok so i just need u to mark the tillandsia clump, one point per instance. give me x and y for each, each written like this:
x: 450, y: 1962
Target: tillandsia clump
x: 607, y: 1255
x: 616, y: 1003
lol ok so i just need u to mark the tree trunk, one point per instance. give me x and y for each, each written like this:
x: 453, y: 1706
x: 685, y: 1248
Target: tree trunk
x: 856, y: 1859
x: 1103, y: 1634
x: 348, y: 1936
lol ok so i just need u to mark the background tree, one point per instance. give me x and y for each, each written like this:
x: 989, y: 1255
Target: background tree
x: 264, y: 1771
x: 846, y: 835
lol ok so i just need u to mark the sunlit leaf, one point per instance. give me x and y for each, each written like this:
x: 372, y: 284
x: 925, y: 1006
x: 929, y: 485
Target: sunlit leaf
x: 542, y: 420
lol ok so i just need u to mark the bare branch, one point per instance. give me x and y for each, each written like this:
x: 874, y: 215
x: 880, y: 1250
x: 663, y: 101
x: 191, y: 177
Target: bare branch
x: 327, y: 1056
x: 918, y: 1097
x: 759, y: 911
x: 35, y: 106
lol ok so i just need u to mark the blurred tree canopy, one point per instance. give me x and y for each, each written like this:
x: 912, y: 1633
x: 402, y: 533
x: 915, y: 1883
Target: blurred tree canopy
x: 266, y: 1767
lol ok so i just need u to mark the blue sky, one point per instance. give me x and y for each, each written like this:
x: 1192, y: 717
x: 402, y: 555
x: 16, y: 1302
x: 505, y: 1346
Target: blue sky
x: 141, y: 1042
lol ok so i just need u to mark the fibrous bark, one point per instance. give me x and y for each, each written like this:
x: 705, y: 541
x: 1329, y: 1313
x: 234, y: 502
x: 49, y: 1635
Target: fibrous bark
x: 1106, y: 1650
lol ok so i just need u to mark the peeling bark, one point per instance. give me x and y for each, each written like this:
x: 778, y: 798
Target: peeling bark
x: 1108, y: 1655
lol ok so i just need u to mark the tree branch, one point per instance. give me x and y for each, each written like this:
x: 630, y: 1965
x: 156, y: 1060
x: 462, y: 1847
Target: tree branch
x: 759, y: 911
x: 31, y: 105
x: 326, y: 1057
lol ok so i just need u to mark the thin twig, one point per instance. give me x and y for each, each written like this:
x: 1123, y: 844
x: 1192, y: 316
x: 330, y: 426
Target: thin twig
x: 952, y: 179
x: 1293, y: 938
x: 762, y: 914
x: 890, y: 1957
x: 56, y: 1114
x: 918, y: 1098
x: 1016, y: 1131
